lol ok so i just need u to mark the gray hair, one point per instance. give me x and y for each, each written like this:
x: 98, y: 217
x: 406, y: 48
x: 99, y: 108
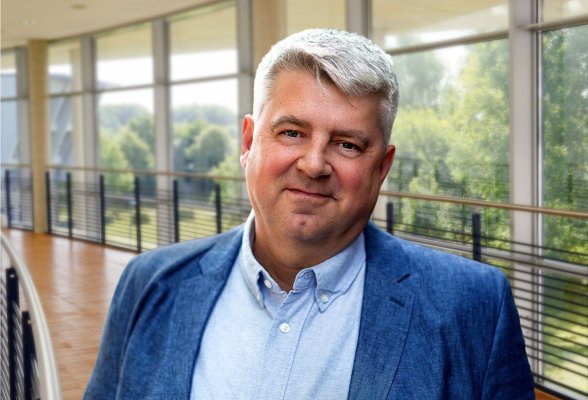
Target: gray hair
x: 353, y: 63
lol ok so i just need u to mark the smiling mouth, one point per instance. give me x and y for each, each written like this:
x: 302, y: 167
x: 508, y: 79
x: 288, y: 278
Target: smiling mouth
x: 309, y: 194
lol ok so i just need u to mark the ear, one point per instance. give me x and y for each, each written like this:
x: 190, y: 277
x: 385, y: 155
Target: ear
x: 387, y: 162
x: 246, y: 139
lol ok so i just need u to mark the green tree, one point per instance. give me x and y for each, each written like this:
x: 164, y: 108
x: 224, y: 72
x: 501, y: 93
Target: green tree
x: 211, y: 147
x: 111, y: 156
x: 137, y: 153
x: 113, y: 117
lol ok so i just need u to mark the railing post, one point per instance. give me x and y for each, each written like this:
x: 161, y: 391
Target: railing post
x: 218, y: 207
x: 477, y: 237
x: 390, y: 217
x: 69, y: 204
x: 102, y: 209
x: 176, y: 211
x: 48, y: 200
x: 8, y: 205
x: 12, y: 300
x: 28, y: 354
x: 138, y: 212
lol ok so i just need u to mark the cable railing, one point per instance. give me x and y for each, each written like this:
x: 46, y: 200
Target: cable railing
x: 17, y: 197
x: 140, y: 210
x: 28, y: 367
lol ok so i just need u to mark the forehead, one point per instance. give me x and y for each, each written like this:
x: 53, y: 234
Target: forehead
x: 299, y: 93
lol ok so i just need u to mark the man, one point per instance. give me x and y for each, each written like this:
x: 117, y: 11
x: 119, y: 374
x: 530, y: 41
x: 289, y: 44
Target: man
x: 308, y: 299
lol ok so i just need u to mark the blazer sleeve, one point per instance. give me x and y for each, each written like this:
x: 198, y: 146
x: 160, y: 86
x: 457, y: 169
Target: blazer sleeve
x: 103, y: 382
x: 508, y: 374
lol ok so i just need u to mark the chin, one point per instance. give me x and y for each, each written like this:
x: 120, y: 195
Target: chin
x: 307, y: 234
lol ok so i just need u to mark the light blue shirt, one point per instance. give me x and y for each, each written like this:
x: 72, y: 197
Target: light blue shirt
x: 263, y: 343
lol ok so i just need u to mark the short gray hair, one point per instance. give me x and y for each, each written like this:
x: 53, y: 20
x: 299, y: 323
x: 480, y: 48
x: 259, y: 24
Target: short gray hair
x: 353, y: 63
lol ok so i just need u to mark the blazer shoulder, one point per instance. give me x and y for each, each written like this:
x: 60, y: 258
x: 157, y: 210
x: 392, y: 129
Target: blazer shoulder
x: 175, y: 261
x: 434, y: 271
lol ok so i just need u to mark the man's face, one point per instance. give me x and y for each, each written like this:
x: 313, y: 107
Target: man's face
x: 314, y: 161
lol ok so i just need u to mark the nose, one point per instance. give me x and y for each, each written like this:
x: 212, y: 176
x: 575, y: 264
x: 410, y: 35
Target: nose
x: 314, y: 161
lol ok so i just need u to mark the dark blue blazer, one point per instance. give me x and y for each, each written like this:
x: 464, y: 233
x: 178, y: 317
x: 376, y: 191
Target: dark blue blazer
x: 433, y: 325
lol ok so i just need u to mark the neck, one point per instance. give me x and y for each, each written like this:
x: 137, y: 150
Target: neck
x: 283, y: 262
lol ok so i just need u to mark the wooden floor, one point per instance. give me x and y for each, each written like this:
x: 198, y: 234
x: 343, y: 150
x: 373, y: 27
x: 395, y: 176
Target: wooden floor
x: 75, y: 281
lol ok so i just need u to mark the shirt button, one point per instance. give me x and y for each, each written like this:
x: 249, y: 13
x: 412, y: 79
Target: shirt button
x: 267, y: 283
x: 258, y: 297
x: 324, y: 297
x: 284, y: 328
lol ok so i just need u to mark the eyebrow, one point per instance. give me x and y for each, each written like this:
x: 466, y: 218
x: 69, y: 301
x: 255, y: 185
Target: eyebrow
x: 350, y: 133
x: 355, y: 134
x: 289, y: 119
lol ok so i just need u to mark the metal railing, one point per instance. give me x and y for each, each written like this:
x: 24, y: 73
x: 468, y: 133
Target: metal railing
x: 140, y: 210
x: 28, y: 368
x: 129, y: 211
x: 17, y: 198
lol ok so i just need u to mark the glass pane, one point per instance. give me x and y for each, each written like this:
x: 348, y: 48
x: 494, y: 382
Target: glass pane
x: 126, y: 130
x: 65, y: 67
x: 205, y: 132
x: 398, y: 23
x: 205, y: 140
x: 565, y: 170
x: 204, y: 42
x: 9, y: 139
x: 556, y: 9
x: 325, y: 14
x: 565, y: 118
x: 9, y: 74
x: 452, y: 131
x: 125, y: 57
x: 66, y: 130
x: 565, y: 335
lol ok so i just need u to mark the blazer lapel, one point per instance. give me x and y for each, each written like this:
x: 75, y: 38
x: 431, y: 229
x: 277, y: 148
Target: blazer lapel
x: 385, y: 317
x: 193, y: 305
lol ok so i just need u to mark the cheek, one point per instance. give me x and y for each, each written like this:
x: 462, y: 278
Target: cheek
x: 359, y: 179
x: 267, y: 165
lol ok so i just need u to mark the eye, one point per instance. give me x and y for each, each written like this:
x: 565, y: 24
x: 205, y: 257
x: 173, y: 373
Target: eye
x: 291, y: 133
x: 349, y: 146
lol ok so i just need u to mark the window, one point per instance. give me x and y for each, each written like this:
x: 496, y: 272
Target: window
x: 204, y: 42
x: 65, y: 106
x: 127, y: 137
x: 65, y: 67
x: 9, y: 74
x: 124, y: 57
x: 557, y: 9
x: 204, y: 119
x: 14, y: 140
x: 15, y: 135
x: 565, y: 186
x: 398, y: 23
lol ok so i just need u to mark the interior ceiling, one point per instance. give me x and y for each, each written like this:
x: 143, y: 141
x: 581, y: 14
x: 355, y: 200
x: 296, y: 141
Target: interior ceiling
x: 23, y: 20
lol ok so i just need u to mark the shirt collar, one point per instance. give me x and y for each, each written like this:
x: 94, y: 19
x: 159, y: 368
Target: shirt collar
x: 331, y: 278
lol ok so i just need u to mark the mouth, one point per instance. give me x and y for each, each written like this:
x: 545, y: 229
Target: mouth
x: 310, y: 193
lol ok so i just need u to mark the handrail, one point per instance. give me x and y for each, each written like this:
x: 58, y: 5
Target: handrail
x: 487, y: 204
x: 48, y: 373
x: 416, y: 196
x: 146, y: 172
